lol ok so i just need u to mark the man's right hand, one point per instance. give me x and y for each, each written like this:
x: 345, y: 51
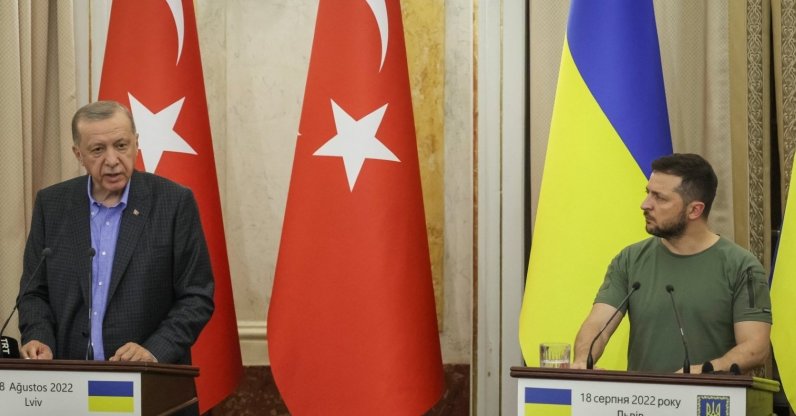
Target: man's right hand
x: 36, y: 350
x: 578, y: 365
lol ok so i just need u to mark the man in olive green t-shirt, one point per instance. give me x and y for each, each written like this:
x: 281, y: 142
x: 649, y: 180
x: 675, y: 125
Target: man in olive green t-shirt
x: 720, y: 289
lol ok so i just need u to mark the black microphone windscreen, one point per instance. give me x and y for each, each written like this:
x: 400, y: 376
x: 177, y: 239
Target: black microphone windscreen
x: 91, y: 252
x: 636, y: 285
x: 707, y: 368
x: 46, y: 252
x: 669, y: 288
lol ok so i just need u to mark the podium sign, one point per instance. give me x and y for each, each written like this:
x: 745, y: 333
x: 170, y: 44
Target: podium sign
x: 618, y: 393
x: 69, y: 393
x: 62, y: 387
x: 595, y: 398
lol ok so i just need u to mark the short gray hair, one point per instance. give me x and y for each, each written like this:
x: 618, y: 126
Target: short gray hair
x: 96, y: 111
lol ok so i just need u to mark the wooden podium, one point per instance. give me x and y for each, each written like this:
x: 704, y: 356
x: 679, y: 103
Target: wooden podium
x: 40, y: 387
x: 543, y: 391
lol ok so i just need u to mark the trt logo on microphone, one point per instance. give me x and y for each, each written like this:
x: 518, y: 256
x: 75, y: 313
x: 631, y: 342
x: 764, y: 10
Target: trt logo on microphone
x: 8, y: 348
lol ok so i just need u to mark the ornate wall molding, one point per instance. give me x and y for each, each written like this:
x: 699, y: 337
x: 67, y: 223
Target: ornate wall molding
x: 756, y: 119
x: 788, y: 77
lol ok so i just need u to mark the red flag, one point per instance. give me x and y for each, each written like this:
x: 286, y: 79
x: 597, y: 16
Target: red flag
x: 152, y: 63
x: 351, y: 326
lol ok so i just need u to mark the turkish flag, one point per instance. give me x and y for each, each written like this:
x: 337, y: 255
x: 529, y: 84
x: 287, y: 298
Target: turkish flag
x: 351, y: 326
x: 152, y: 64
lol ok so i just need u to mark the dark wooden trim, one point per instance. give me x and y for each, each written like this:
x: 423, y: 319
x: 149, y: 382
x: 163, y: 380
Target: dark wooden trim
x: 99, y: 366
x: 633, y: 377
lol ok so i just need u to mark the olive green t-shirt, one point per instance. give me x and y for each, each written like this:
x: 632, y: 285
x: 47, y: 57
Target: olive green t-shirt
x: 713, y: 290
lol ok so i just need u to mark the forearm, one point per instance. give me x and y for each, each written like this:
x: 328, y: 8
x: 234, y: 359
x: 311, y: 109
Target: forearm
x: 598, y: 317
x: 581, y: 350
x: 193, y: 286
x: 583, y: 342
x: 36, y: 322
x: 753, y: 345
x: 748, y: 355
x: 178, y: 332
x: 36, y: 318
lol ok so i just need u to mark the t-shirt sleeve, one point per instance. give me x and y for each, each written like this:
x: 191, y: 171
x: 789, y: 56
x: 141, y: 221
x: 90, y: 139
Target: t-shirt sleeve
x: 751, y: 295
x: 614, y: 287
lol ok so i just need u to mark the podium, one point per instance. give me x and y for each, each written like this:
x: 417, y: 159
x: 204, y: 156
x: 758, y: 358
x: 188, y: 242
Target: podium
x: 65, y: 387
x: 548, y: 391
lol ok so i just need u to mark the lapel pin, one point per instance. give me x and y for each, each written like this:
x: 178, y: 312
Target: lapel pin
x: 135, y: 211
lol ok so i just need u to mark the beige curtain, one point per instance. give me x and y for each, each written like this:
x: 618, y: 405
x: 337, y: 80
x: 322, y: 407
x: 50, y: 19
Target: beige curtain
x: 37, y: 99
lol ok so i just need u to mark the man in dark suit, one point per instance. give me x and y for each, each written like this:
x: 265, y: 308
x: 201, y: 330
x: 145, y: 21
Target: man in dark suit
x: 138, y: 238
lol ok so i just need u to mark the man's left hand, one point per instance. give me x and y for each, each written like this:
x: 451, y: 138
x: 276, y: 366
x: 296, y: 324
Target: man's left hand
x: 133, y: 352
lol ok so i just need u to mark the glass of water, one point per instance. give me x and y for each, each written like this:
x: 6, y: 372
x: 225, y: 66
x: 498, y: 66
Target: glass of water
x: 554, y: 354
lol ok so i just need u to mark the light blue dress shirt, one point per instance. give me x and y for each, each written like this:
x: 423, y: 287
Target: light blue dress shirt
x: 105, y: 223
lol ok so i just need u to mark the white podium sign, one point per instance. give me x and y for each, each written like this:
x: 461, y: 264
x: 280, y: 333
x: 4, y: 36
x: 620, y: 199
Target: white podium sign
x: 69, y: 393
x: 597, y: 398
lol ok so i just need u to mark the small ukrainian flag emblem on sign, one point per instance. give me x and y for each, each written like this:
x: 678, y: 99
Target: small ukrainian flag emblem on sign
x: 110, y: 396
x: 548, y: 402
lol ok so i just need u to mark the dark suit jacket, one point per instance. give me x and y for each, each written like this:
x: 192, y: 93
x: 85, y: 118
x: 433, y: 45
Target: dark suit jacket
x: 161, y: 289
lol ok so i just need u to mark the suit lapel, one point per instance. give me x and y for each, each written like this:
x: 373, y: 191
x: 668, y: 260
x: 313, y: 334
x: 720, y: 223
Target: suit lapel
x: 134, y: 221
x: 79, y: 228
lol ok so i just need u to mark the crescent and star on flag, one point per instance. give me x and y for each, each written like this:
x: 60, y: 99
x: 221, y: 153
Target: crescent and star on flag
x: 356, y: 140
x: 156, y: 129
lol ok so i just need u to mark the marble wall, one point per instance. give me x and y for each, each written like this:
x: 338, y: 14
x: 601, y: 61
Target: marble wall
x: 255, y: 56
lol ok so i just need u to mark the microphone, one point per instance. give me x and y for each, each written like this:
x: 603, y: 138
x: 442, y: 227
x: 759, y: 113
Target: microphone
x: 90, y: 346
x: 9, y: 348
x: 590, y: 358
x: 686, y: 362
x: 707, y: 368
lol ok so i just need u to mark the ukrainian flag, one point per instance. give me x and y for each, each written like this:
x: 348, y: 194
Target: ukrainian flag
x: 548, y: 402
x: 609, y: 123
x: 111, y: 396
x: 783, y: 293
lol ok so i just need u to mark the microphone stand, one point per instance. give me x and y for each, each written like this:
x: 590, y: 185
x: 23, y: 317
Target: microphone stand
x: 687, y: 361
x: 90, y: 346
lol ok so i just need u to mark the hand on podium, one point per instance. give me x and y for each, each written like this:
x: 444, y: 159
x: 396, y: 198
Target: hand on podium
x: 581, y: 365
x: 133, y: 352
x: 695, y: 369
x: 36, y: 350
x: 578, y: 365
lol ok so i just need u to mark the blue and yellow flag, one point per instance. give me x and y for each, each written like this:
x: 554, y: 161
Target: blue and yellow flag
x: 547, y: 402
x: 609, y: 123
x: 783, y: 293
x: 111, y: 396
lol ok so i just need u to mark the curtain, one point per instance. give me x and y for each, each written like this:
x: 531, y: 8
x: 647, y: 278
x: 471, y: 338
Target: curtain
x: 38, y: 98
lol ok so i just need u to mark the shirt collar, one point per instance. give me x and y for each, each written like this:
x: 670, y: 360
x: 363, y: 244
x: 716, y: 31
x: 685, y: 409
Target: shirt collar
x: 122, y: 201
